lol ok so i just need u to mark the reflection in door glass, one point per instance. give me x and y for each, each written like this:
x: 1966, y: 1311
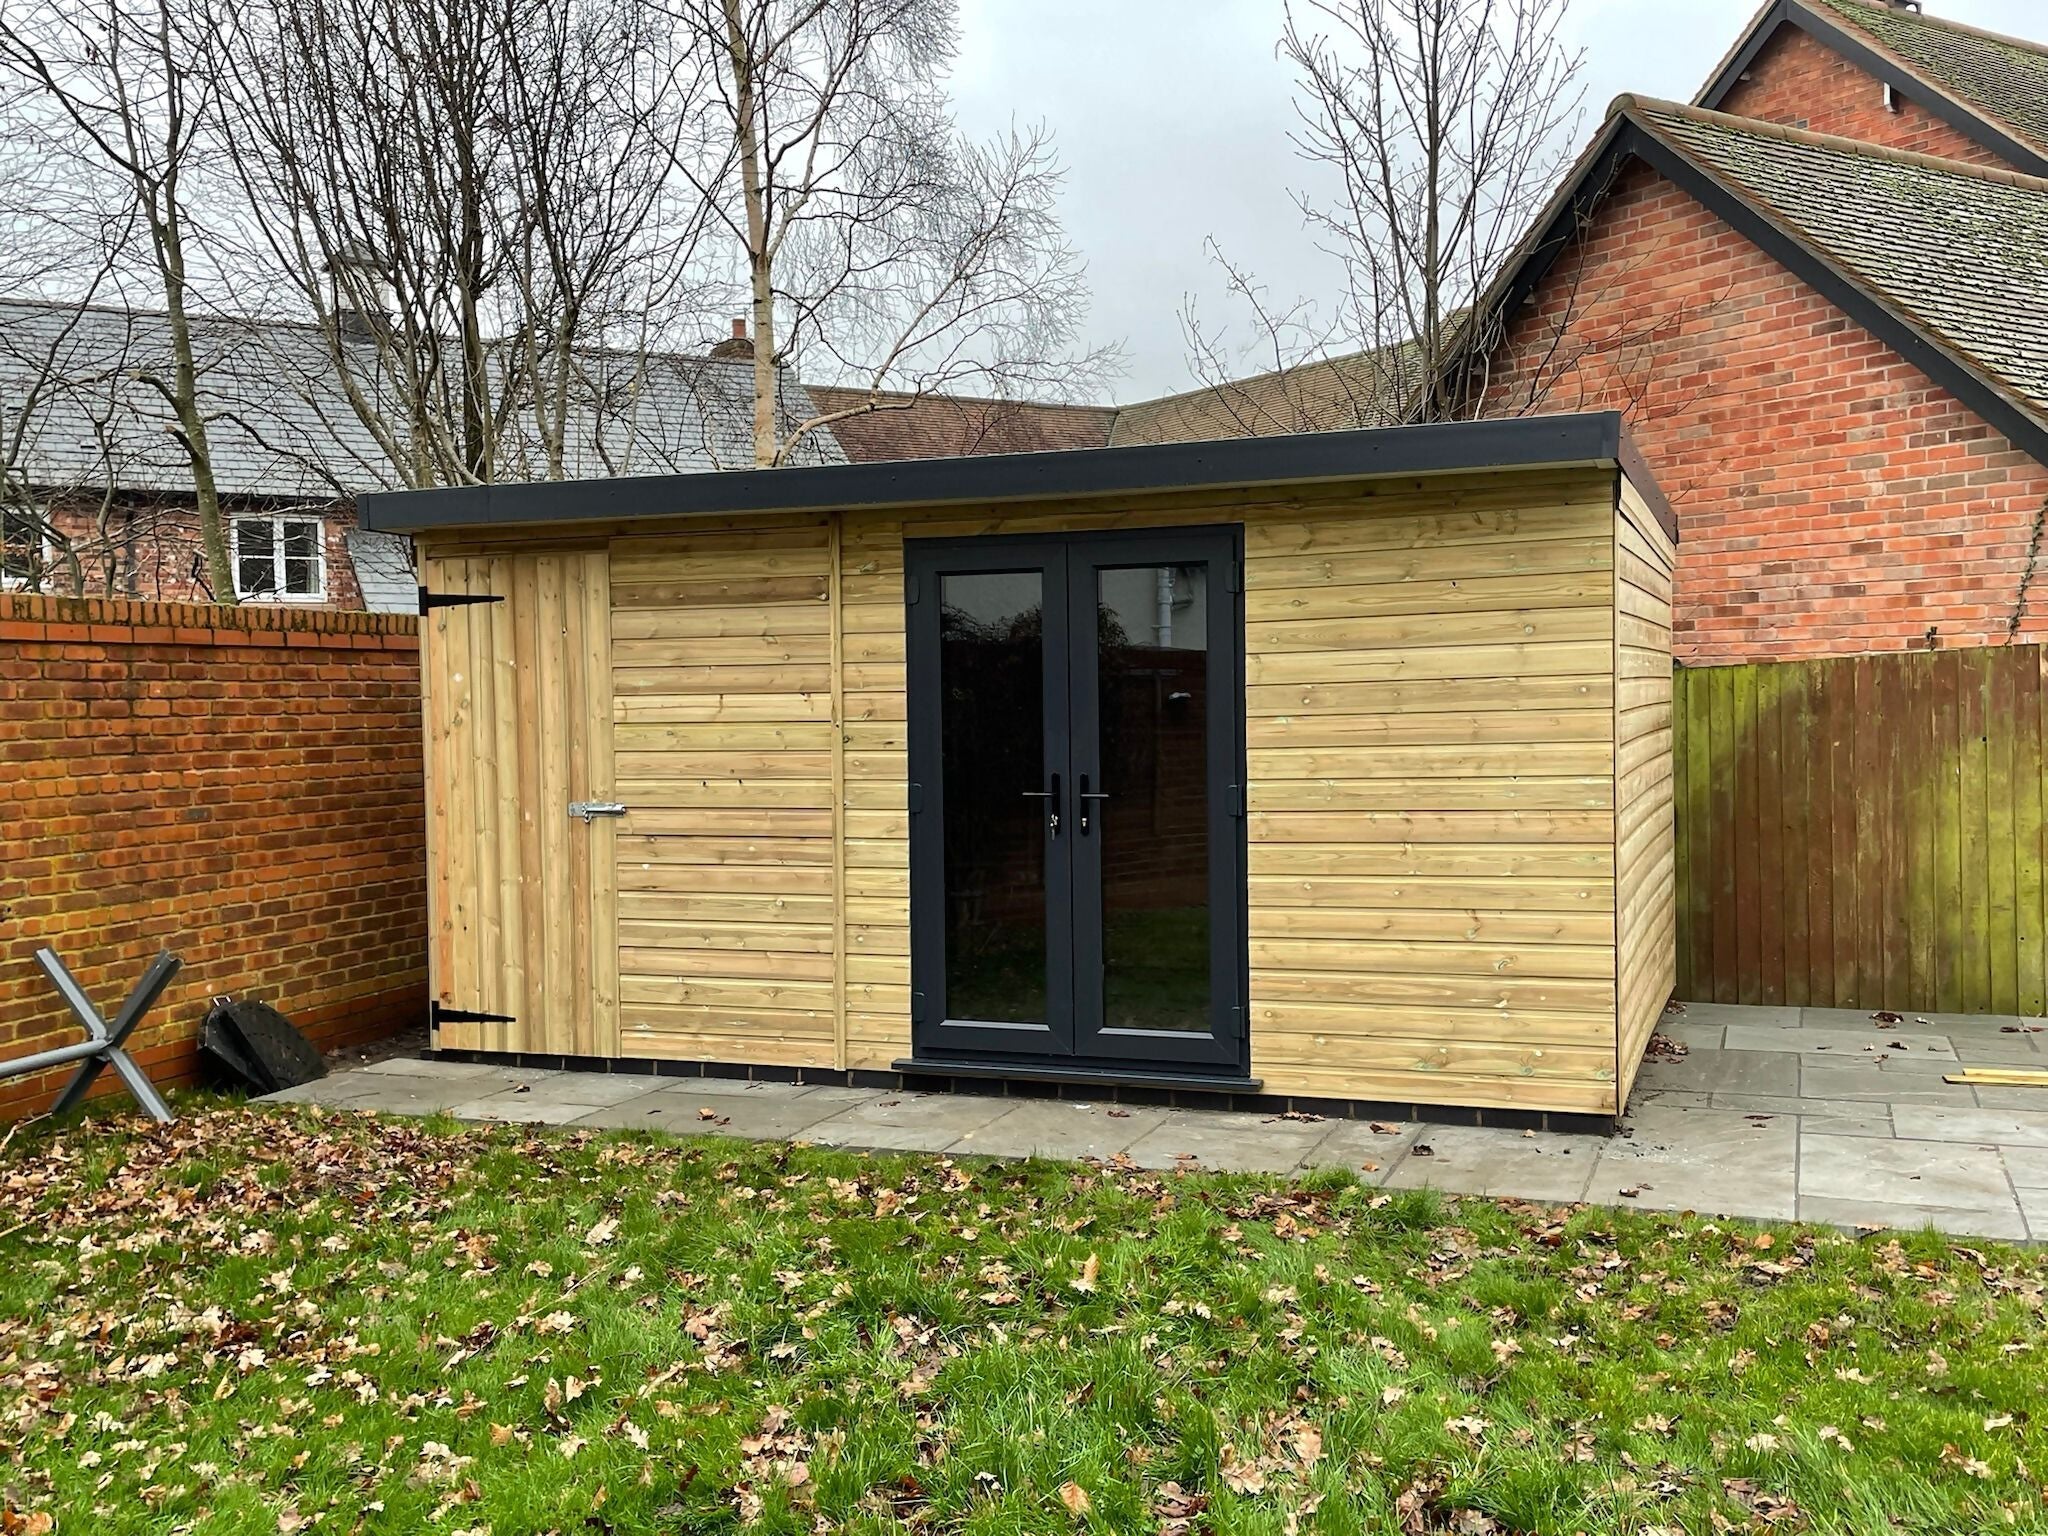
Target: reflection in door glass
x: 1153, y: 678
x: 992, y: 740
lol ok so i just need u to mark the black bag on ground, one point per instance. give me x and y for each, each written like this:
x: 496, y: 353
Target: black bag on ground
x: 254, y: 1046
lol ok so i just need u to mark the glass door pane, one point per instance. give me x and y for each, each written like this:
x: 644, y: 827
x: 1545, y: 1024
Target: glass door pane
x: 1152, y: 824
x: 992, y: 747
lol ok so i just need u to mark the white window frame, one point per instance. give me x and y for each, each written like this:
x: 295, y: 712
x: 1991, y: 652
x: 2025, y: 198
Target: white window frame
x: 277, y: 525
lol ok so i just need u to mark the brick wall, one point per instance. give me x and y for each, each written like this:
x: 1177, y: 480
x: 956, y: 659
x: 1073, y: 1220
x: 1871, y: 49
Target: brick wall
x: 242, y: 785
x: 1803, y: 83
x: 148, y: 546
x: 1832, y: 499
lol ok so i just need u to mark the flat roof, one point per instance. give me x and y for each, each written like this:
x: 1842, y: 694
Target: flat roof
x: 1522, y: 442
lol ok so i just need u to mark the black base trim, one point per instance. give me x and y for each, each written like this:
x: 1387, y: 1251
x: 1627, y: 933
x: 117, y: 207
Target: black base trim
x: 1004, y: 1082
x: 1098, y: 1077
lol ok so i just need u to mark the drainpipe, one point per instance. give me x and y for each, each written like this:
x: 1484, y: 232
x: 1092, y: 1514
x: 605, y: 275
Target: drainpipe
x: 1163, y: 593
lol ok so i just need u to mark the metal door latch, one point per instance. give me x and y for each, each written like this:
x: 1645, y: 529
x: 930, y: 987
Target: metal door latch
x: 590, y: 810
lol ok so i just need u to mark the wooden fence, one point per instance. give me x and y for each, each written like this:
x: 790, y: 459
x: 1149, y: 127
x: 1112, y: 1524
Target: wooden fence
x: 1864, y: 832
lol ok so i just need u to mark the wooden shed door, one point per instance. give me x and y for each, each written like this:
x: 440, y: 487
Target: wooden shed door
x: 522, y: 895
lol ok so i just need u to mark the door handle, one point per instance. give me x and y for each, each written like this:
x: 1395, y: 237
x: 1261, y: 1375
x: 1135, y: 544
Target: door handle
x: 1085, y: 796
x: 1051, y: 797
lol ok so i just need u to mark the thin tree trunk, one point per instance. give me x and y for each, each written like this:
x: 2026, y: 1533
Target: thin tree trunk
x: 760, y: 262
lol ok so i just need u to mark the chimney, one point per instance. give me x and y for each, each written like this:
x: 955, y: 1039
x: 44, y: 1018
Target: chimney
x: 738, y: 345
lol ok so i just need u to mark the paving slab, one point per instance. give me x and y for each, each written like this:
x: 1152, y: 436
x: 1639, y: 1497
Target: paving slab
x: 1873, y: 1083
x: 1725, y: 1071
x: 773, y: 1112
x: 1706, y: 1160
x: 1694, y: 1037
x: 1241, y: 1143
x: 433, y: 1066
x: 1837, y: 1117
x: 2007, y: 1225
x: 2013, y: 1127
x: 1990, y: 1096
x: 1810, y: 1041
x: 1676, y: 1097
x: 1707, y: 1014
x: 1060, y: 1128
x: 2000, y: 1051
x: 910, y: 1122
x: 553, y: 1105
x: 1920, y: 1173
x: 1356, y: 1147
x: 2028, y: 1166
x: 1493, y: 1160
x: 2034, y: 1207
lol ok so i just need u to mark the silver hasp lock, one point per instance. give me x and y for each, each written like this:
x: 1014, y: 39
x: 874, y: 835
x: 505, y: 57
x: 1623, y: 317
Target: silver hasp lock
x: 590, y: 810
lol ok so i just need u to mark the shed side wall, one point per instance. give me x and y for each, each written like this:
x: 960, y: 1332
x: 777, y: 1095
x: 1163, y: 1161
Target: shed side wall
x: 1646, y: 858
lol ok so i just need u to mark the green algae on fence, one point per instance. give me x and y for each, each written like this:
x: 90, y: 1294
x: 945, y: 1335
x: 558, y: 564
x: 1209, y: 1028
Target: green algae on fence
x: 1864, y: 832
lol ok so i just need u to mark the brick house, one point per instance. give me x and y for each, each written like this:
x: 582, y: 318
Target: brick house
x: 96, y: 492
x: 1820, y: 295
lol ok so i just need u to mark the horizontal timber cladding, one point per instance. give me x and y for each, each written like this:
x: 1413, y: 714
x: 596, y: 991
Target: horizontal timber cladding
x: 1432, y: 811
x: 1645, y: 838
x: 722, y: 661
x: 1865, y: 832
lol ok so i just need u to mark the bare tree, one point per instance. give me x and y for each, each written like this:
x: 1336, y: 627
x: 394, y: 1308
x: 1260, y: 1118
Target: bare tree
x: 113, y: 95
x: 1440, y: 127
x: 472, y: 198
x: 876, y: 245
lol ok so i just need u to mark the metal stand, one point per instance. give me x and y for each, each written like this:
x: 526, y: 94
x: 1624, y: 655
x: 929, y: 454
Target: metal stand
x: 104, y: 1049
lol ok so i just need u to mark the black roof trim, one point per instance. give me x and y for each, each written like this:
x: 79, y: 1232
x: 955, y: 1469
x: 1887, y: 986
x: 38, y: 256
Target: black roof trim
x: 1303, y: 458
x: 1873, y: 59
x: 1967, y: 381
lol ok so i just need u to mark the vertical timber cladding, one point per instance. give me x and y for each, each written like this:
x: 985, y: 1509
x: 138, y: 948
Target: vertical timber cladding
x: 1431, y: 738
x: 517, y: 701
x: 1645, y: 833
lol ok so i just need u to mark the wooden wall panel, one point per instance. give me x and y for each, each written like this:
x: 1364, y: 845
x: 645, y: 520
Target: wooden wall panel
x: 1645, y: 833
x: 521, y: 895
x: 722, y: 723
x: 1430, y: 734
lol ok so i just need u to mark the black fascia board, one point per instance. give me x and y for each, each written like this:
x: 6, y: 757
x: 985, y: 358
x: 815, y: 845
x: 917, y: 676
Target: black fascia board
x: 1873, y: 60
x: 2019, y: 426
x: 1589, y: 438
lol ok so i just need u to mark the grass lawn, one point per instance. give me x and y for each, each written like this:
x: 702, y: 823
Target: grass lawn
x: 276, y: 1321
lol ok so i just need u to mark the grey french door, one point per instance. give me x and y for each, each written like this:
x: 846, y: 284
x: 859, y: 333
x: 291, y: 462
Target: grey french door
x: 1076, y: 724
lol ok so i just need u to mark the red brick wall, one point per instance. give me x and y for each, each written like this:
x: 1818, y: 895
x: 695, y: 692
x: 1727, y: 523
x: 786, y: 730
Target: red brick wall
x: 241, y: 785
x: 1831, y: 498
x: 148, y: 547
x: 1803, y: 83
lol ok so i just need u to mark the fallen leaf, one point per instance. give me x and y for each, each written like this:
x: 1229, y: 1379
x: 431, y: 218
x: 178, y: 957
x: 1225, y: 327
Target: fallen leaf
x: 1075, y: 1497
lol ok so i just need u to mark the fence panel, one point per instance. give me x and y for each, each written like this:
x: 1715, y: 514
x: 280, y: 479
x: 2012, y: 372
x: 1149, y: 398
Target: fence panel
x: 1864, y: 832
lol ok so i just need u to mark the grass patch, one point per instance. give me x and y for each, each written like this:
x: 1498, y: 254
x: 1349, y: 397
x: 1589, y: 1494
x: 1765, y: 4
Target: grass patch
x: 258, y: 1321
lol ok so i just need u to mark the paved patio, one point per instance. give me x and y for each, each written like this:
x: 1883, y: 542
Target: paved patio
x: 1778, y: 1113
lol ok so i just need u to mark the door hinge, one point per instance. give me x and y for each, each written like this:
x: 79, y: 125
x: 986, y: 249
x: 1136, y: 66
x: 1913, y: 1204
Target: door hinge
x: 1233, y: 800
x: 440, y: 1013
x: 911, y: 594
x: 588, y: 810
x: 916, y: 799
x: 917, y: 1007
x: 429, y: 601
x: 1237, y: 575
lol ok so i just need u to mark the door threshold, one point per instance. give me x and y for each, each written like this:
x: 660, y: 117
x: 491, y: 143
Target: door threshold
x: 1106, y: 1077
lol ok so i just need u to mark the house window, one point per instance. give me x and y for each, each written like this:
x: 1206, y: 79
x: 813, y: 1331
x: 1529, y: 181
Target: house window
x: 280, y: 557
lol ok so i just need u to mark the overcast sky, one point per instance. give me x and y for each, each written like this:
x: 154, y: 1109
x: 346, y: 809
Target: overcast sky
x: 1172, y: 119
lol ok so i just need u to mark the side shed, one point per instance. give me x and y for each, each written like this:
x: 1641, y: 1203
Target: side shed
x: 1330, y: 767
